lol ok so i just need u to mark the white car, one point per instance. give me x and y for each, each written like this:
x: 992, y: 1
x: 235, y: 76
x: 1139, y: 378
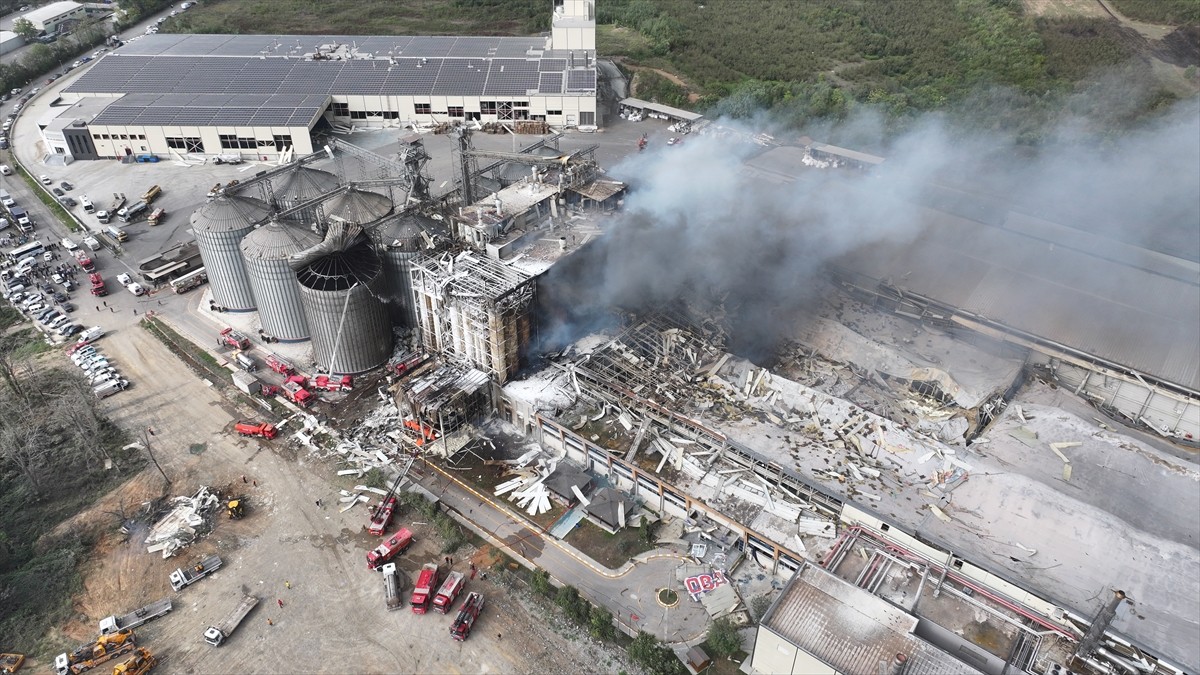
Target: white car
x: 124, y: 279
x: 48, y: 256
x: 45, y: 179
x: 69, y: 245
x: 136, y: 289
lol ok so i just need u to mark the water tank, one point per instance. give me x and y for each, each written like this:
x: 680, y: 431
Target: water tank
x: 219, y: 226
x: 266, y: 251
x: 299, y: 185
x: 398, y: 240
x: 341, y: 285
x: 358, y: 206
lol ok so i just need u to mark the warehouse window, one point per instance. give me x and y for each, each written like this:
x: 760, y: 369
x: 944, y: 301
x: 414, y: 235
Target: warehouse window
x: 553, y: 112
x: 232, y: 142
x: 282, y: 142
x: 455, y: 111
x: 487, y: 107
x: 423, y: 108
x: 185, y: 143
x: 358, y: 114
x: 587, y: 118
x: 340, y: 109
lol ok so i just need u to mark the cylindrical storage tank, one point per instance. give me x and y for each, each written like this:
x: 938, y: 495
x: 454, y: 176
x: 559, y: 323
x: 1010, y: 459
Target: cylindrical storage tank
x: 219, y: 226
x: 266, y: 251
x: 399, y: 241
x: 299, y: 185
x: 358, y: 206
x: 349, y: 325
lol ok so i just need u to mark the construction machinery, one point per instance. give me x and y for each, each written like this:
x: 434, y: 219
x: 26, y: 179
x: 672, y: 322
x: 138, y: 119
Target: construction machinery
x: 463, y: 623
x: 249, y: 429
x: 104, y: 648
x: 381, y: 516
x: 139, y: 616
x: 141, y: 663
x: 181, y: 578
x: 392, y: 586
x: 390, y: 548
x: 11, y: 663
x: 451, y: 588
x: 235, y: 508
x: 229, y: 337
x: 217, y: 634
x: 422, y: 593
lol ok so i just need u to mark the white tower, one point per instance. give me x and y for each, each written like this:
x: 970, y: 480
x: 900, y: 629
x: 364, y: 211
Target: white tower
x: 574, y: 25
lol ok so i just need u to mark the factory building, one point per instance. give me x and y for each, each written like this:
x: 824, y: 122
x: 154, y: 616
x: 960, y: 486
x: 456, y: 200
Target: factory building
x: 475, y: 309
x: 260, y: 96
x: 57, y: 17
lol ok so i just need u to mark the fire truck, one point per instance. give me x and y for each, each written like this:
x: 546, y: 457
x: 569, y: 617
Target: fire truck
x: 451, y: 588
x: 381, y: 516
x: 431, y: 574
x: 85, y: 261
x: 280, y: 365
x: 332, y: 382
x: 461, y: 628
x: 294, y: 391
x: 231, y: 338
x: 389, y: 549
x: 98, y: 287
x: 263, y: 430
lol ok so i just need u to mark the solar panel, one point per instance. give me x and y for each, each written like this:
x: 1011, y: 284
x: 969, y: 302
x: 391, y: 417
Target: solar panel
x: 511, y: 77
x: 550, y: 83
x: 549, y: 65
x: 581, y: 80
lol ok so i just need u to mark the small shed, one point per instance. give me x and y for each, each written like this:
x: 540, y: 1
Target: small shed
x: 564, y: 477
x: 610, y: 509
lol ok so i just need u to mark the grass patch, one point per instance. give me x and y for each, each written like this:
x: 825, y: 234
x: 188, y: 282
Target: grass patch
x: 1170, y: 12
x: 610, y: 550
x: 614, y: 40
x: 9, y: 317
x: 50, y: 202
x: 204, y: 364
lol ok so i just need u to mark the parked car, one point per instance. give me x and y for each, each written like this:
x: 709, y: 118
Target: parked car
x: 45, y: 179
x: 69, y: 202
x: 58, y: 192
x: 66, y: 185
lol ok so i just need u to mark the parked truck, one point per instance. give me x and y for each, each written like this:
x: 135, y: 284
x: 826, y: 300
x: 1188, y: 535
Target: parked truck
x: 463, y: 623
x: 139, y: 616
x: 229, y: 337
x: 392, y: 586
x: 217, y: 634
x: 381, y: 516
x: 182, y: 578
x: 451, y: 588
x: 100, y: 650
x: 141, y: 663
x: 389, y: 549
x: 263, y: 430
x: 85, y: 261
x: 333, y: 382
x: 98, y: 287
x: 130, y: 213
x: 422, y: 593
x: 295, y: 392
x: 156, y: 216
x: 280, y: 365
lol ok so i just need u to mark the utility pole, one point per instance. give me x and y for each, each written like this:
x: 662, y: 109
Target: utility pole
x: 146, y: 444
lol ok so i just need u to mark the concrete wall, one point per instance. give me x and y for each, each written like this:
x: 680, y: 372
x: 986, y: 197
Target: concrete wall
x: 153, y: 140
x: 557, y: 110
x: 10, y: 41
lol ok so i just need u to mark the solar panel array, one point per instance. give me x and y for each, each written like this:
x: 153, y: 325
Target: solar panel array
x: 379, y: 46
x: 403, y: 76
x: 212, y: 109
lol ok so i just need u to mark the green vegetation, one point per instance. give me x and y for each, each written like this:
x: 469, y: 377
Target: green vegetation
x: 42, y: 59
x: 366, y: 17
x: 451, y: 533
x: 57, y: 455
x: 1170, y: 12
x: 9, y: 316
x: 723, y: 639
x: 650, y: 653
x: 200, y: 361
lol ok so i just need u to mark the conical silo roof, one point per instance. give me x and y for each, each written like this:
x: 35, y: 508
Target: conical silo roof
x: 304, y: 183
x: 403, y: 233
x: 358, y: 206
x: 227, y: 213
x: 277, y: 240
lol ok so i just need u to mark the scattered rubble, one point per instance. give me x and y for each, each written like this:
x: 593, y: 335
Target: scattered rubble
x: 183, y: 523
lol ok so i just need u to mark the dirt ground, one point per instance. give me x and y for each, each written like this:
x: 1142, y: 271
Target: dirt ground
x: 333, y: 617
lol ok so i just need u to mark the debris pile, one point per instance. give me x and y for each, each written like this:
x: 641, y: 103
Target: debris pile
x: 180, y: 526
x: 527, y: 488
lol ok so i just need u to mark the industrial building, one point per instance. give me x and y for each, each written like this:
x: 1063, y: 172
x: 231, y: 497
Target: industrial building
x: 58, y: 17
x: 262, y: 96
x: 10, y: 41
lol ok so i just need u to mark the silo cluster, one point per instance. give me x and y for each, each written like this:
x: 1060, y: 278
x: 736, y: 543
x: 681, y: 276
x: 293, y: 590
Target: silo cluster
x: 266, y: 252
x: 219, y: 226
x: 398, y: 242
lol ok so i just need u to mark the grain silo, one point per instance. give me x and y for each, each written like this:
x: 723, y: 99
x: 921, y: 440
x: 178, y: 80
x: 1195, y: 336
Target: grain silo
x: 302, y: 183
x: 219, y: 225
x: 341, y: 286
x: 266, y: 252
x: 398, y: 240
x: 357, y: 206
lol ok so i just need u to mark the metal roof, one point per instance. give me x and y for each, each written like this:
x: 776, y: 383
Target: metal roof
x: 848, y: 154
x: 185, y: 109
x: 358, y: 206
x: 50, y: 12
x: 685, y: 115
x: 261, y: 66
x: 1123, y: 304
x: 276, y: 240
x: 852, y: 630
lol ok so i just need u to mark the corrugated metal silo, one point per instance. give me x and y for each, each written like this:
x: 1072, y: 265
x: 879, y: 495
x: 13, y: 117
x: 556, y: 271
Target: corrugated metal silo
x: 266, y: 252
x: 299, y: 185
x: 358, y: 206
x: 341, y: 283
x: 398, y: 241
x: 219, y: 226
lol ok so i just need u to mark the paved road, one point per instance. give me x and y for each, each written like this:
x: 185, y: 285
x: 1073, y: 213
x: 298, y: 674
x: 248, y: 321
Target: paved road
x: 629, y: 593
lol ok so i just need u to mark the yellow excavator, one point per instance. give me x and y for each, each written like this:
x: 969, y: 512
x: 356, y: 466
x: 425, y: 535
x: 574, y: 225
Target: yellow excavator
x: 141, y: 663
x: 236, y: 508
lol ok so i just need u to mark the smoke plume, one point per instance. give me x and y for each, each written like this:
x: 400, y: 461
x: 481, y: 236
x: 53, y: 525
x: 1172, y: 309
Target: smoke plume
x: 702, y: 229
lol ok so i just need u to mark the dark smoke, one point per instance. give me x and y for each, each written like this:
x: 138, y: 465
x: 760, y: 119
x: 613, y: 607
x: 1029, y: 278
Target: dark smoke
x: 702, y: 232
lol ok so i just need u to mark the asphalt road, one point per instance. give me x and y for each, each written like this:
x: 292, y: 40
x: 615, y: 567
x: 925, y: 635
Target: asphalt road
x: 629, y: 593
